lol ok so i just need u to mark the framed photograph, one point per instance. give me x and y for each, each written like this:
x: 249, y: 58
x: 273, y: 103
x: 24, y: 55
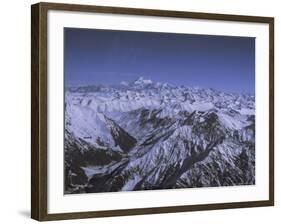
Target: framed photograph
x: 141, y: 111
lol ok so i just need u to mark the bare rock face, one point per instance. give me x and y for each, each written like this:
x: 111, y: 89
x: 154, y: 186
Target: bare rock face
x: 143, y: 136
x: 120, y: 136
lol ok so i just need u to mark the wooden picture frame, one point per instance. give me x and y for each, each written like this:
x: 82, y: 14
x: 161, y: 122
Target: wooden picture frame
x: 39, y: 110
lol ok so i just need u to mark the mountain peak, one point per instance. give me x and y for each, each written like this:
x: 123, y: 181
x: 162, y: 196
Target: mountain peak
x: 142, y: 80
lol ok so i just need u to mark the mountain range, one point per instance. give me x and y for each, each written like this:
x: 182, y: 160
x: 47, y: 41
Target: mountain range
x: 145, y: 135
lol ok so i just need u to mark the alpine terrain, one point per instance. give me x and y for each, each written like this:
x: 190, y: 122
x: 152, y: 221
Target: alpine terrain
x: 145, y: 135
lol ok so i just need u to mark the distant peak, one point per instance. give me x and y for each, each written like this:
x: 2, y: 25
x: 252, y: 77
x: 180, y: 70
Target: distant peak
x: 142, y: 80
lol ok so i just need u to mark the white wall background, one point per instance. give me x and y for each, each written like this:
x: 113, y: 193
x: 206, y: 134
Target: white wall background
x: 15, y: 111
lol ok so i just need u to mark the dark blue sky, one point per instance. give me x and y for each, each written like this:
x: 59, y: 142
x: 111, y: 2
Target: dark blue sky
x: 94, y: 56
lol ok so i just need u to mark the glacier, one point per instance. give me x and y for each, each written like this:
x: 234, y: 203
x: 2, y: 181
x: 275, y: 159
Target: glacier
x: 145, y: 135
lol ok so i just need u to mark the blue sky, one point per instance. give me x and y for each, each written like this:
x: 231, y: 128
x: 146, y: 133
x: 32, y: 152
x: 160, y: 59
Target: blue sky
x: 94, y: 56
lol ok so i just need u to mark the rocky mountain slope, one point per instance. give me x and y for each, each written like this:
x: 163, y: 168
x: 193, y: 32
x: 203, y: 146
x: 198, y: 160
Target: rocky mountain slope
x: 143, y: 135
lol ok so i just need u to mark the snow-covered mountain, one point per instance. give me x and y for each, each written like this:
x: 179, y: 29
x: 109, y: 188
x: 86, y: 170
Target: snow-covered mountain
x: 149, y: 135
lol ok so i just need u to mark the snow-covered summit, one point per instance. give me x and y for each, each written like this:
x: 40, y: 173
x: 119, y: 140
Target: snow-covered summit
x: 142, y: 81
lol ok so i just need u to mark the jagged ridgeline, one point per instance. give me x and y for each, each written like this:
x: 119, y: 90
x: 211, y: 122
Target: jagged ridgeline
x: 143, y: 135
